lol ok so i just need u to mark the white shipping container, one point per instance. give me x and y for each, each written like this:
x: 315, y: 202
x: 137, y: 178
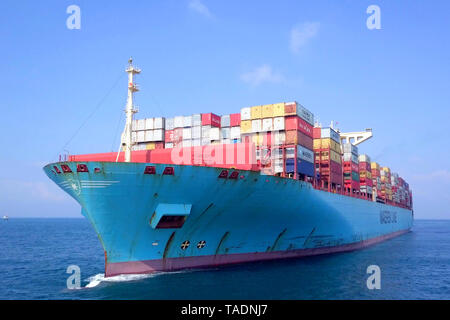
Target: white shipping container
x: 149, y: 135
x: 290, y: 153
x: 187, y: 143
x: 267, y: 124
x: 206, y: 141
x: 214, y: 133
x: 246, y: 114
x: 187, y: 133
x: 225, y: 121
x: 226, y: 141
x: 364, y: 158
x: 168, y: 145
x: 277, y: 153
x: 330, y: 133
x: 278, y: 166
x: 196, y: 142
x: 350, y: 157
x: 170, y: 123
x: 206, y: 132
x: 226, y: 133
x: 235, y: 133
x: 256, y: 125
x: 197, y: 132
x: 158, y: 135
x: 278, y: 123
x: 140, y: 136
x: 134, y: 125
x: 133, y: 137
x: 178, y: 122
x: 159, y: 123
x: 366, y: 189
x: 196, y: 120
x: 149, y: 124
x: 279, y: 138
x: 187, y: 121
x: 349, y: 148
x: 141, y: 124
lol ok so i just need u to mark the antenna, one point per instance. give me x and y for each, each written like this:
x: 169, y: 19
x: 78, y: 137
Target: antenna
x: 126, y: 140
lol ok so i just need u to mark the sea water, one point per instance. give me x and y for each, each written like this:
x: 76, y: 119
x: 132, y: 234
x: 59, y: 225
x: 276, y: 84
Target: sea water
x: 35, y: 255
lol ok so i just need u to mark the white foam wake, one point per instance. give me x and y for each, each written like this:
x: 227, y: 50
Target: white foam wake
x: 99, y: 278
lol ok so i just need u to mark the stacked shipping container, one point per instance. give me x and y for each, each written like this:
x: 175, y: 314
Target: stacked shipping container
x: 350, y: 166
x: 282, y: 133
x: 328, y: 159
x: 365, y: 176
x: 287, y: 145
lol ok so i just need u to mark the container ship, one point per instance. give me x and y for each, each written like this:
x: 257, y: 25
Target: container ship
x: 207, y: 190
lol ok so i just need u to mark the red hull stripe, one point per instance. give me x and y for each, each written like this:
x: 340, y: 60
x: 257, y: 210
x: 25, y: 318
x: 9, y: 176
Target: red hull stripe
x: 173, y: 264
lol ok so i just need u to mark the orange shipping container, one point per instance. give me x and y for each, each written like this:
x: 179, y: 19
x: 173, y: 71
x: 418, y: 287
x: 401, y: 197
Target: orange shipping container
x: 297, y: 137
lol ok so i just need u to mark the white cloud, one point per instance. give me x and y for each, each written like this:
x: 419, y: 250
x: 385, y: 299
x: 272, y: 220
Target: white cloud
x: 301, y: 34
x: 199, y: 7
x: 260, y: 75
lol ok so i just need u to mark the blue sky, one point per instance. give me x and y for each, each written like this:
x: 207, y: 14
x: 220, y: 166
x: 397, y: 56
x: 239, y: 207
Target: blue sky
x: 220, y: 56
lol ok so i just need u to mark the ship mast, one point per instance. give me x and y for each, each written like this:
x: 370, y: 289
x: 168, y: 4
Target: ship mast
x: 129, y: 111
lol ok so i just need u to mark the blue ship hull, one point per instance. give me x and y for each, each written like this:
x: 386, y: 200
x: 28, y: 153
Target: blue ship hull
x: 217, y: 221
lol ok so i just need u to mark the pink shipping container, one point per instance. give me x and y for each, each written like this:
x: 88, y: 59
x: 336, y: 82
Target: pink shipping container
x: 235, y: 120
x: 210, y: 119
x: 297, y: 123
x: 364, y: 166
x: 177, y: 135
x: 168, y: 135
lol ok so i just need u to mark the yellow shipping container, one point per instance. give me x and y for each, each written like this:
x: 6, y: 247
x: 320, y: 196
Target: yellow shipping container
x: 336, y: 157
x: 246, y: 126
x: 267, y: 111
x: 327, y: 143
x: 257, y: 139
x: 386, y: 169
x: 150, y: 146
x: 374, y: 165
x: 365, y: 174
x: 278, y: 109
x: 256, y: 112
x: 317, y: 143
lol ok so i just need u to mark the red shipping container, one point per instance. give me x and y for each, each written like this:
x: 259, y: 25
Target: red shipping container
x: 298, y: 137
x: 159, y: 145
x: 352, y: 184
x: 317, y: 133
x: 168, y: 136
x: 332, y: 178
x: 350, y: 166
x: 297, y: 123
x: 364, y: 166
x: 375, y: 173
x: 332, y: 166
x: 366, y: 182
x: 210, y: 119
x: 235, y: 120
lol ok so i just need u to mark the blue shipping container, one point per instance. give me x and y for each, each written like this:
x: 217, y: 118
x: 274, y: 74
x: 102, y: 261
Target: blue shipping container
x: 303, y: 167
